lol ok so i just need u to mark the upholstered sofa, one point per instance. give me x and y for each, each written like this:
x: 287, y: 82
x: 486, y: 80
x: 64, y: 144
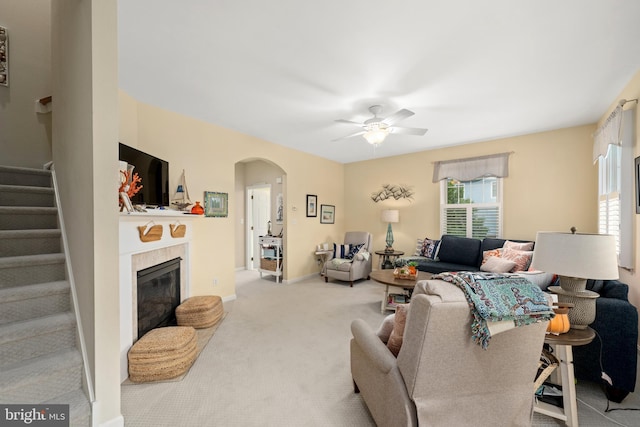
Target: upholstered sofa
x: 441, y: 377
x: 454, y: 253
x: 616, y: 325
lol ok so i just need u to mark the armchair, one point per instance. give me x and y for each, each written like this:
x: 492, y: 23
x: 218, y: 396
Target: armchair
x: 441, y: 377
x: 351, y: 270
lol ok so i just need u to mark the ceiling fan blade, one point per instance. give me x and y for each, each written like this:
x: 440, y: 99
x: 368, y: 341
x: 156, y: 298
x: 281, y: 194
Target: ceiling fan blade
x: 409, y: 131
x: 348, y: 136
x: 349, y: 122
x: 397, y: 116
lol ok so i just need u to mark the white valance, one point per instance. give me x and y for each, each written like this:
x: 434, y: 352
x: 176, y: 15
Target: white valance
x: 472, y: 168
x: 610, y: 133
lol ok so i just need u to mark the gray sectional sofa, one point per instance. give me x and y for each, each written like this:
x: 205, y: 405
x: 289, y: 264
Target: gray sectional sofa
x: 456, y: 254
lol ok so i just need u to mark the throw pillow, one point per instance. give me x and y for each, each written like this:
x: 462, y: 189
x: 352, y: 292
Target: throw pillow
x: 395, y: 339
x: 521, y: 258
x: 429, y: 248
x: 384, y: 331
x: 495, y: 264
x: 418, y: 251
x: 354, y: 250
x: 526, y: 246
x: 540, y: 278
x: 491, y: 253
x: 341, y: 251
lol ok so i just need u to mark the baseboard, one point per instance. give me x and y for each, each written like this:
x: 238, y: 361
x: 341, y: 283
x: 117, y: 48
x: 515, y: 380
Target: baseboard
x: 229, y: 298
x: 95, y: 414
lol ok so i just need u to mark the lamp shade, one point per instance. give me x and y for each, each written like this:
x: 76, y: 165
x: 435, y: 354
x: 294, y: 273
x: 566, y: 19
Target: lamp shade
x: 586, y: 256
x: 391, y: 215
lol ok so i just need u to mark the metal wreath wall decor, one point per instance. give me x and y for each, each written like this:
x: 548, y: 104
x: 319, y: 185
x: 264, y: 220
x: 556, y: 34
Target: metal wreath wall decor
x: 396, y: 192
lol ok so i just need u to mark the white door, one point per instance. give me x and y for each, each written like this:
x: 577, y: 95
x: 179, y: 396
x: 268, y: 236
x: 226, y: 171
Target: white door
x: 259, y: 214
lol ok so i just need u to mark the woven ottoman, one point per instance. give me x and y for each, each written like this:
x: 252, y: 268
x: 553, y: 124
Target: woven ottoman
x: 200, y: 312
x: 163, y: 353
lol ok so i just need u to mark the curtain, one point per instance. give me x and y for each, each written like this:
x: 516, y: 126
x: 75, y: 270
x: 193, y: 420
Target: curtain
x: 472, y: 168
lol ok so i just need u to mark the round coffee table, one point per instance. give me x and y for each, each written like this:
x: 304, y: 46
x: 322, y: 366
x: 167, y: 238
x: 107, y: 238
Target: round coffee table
x: 387, y: 278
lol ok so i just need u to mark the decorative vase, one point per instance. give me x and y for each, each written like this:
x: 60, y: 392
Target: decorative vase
x: 197, y: 209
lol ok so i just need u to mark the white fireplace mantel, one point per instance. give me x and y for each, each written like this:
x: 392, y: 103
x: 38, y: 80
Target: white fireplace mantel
x: 136, y: 255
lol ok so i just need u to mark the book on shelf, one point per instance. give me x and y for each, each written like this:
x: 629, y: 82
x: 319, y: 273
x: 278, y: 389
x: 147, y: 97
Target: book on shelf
x: 395, y: 299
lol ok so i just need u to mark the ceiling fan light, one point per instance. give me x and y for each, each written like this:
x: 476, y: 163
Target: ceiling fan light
x: 376, y: 136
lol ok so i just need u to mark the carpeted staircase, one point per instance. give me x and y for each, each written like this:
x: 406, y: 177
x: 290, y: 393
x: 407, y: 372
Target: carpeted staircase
x: 40, y: 360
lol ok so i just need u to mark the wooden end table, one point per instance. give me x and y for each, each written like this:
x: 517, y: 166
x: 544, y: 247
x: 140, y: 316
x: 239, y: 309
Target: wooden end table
x: 387, y: 278
x: 387, y: 258
x: 563, y: 345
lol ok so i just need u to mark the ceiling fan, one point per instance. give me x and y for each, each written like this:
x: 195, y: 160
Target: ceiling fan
x: 376, y: 129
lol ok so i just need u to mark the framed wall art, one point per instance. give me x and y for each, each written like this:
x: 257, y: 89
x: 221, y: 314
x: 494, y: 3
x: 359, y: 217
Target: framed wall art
x: 4, y: 57
x: 312, y: 205
x: 279, y: 209
x: 637, y: 165
x: 216, y: 204
x: 327, y: 214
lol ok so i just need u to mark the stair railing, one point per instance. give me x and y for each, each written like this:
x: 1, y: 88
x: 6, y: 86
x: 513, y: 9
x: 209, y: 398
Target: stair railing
x: 74, y: 296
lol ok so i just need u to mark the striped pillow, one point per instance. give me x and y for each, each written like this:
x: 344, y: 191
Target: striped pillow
x: 419, y: 244
x: 341, y: 251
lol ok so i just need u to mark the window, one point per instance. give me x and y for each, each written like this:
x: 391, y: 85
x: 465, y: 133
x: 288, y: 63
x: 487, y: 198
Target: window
x: 471, y: 208
x: 609, y: 182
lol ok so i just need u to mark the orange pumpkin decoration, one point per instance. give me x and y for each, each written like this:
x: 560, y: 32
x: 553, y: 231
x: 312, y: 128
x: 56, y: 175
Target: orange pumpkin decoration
x: 560, y: 323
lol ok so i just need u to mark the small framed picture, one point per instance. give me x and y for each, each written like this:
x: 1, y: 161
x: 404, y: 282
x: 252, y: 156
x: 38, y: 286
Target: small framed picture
x: 327, y: 214
x: 312, y: 205
x: 126, y: 202
x: 279, y: 209
x: 216, y: 204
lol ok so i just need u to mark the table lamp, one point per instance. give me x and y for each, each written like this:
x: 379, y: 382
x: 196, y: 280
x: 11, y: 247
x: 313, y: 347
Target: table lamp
x: 576, y: 258
x: 390, y: 216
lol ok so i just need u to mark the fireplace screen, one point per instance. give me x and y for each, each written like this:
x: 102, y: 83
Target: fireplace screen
x: 158, y: 295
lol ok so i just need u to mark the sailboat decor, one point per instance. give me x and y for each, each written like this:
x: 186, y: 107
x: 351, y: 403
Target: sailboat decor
x: 181, y: 196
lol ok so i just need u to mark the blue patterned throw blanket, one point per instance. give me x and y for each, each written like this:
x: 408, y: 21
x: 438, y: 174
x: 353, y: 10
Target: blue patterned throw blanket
x: 494, y: 297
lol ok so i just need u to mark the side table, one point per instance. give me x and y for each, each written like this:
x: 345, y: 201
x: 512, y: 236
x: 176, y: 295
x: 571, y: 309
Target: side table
x: 563, y: 345
x: 322, y: 257
x: 387, y: 258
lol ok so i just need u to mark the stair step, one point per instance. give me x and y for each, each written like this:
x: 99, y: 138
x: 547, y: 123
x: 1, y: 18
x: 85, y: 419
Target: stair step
x: 31, y: 269
x: 21, y: 341
x: 79, y: 407
x: 29, y: 242
x: 42, y: 379
x: 20, y: 195
x: 27, y: 218
x: 11, y: 175
x: 33, y: 301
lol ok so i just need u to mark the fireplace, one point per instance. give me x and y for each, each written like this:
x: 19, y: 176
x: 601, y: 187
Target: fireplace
x: 158, y: 295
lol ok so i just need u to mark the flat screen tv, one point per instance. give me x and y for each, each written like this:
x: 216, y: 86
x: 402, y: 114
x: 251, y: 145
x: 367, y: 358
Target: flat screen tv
x: 154, y: 173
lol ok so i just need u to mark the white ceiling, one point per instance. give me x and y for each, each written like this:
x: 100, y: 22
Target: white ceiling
x: 285, y: 70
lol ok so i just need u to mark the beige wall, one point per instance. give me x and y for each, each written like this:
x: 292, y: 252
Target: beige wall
x: 630, y: 277
x: 25, y: 136
x: 209, y: 155
x: 85, y: 135
x: 552, y: 185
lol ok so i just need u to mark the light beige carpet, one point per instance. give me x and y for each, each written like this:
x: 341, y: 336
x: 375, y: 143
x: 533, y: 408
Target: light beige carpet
x: 281, y: 358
